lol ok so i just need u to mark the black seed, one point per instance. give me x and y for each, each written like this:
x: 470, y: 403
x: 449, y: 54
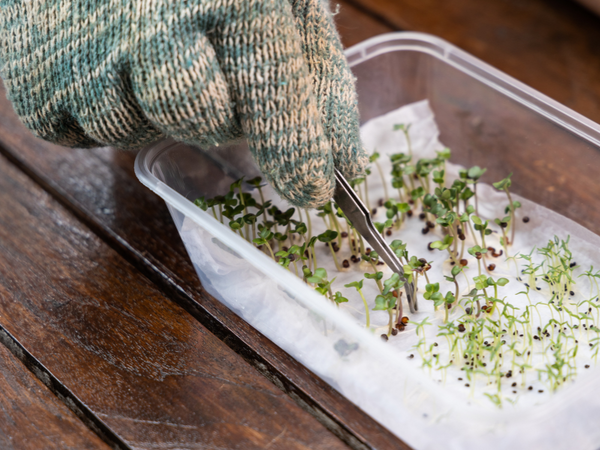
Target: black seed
x: 425, y: 230
x: 525, y: 219
x: 409, y: 213
x: 384, y: 337
x: 530, y: 388
x: 388, y: 232
x: 573, y: 264
x: 429, y: 247
x: 587, y: 366
x: 466, y: 384
x: 540, y: 391
x: 422, y: 216
x: 430, y: 224
x: 346, y: 263
x: 344, y: 234
x: 374, y: 211
x: 514, y: 384
x: 572, y: 293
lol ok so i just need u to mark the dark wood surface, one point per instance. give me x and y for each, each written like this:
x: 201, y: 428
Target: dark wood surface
x: 32, y: 417
x: 145, y: 368
x: 102, y: 304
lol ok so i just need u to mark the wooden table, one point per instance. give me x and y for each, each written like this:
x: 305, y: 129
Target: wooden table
x: 108, y: 337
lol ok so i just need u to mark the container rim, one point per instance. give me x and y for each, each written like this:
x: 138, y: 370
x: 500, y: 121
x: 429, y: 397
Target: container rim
x: 480, y: 70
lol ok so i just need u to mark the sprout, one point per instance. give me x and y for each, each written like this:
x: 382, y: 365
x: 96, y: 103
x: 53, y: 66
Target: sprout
x: 358, y: 285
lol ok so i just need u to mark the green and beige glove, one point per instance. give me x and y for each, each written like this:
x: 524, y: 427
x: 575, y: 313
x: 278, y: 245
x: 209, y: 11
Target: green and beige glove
x: 126, y: 73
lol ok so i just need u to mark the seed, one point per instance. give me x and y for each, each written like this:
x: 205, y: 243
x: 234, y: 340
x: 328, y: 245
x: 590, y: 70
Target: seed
x: 368, y: 250
x: 491, y: 249
x: 374, y: 211
x: 380, y: 202
x: 530, y: 388
x: 285, y: 248
x: 400, y: 326
x: 429, y: 247
x: 430, y: 224
x: 478, y: 255
x: 346, y: 263
x: 540, y: 391
x: 353, y: 258
x: 572, y: 293
x: 460, y: 379
x: 388, y: 232
x: 411, y: 201
x: 422, y: 216
x: 461, y: 328
x: 425, y: 230
x: 464, y: 262
x: 384, y: 337
x: 405, y: 320
x: 394, y: 332
x: 344, y: 234
x: 573, y: 264
x: 514, y: 392
x: 491, y: 267
x: 468, y: 311
x: 525, y: 219
x: 587, y: 366
x: 411, y: 356
x: 409, y: 213
x: 461, y: 236
x: 514, y: 384
x: 467, y: 384
x: 539, y: 288
x: 503, y: 224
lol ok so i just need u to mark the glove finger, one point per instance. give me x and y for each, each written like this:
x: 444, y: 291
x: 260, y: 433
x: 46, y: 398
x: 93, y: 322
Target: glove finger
x: 260, y: 52
x: 333, y: 84
x: 177, y: 78
x: 78, y: 94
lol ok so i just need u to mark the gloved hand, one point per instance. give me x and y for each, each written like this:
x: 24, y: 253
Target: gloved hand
x: 125, y: 73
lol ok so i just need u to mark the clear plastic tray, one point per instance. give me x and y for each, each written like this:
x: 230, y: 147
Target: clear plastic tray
x: 488, y: 119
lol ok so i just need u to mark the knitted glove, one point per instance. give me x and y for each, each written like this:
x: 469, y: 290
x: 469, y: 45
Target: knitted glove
x: 125, y: 73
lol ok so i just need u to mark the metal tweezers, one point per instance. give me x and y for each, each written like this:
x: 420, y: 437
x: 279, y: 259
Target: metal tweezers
x: 354, y: 209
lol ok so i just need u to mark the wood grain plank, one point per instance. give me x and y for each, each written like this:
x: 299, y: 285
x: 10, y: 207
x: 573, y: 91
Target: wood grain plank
x: 32, y: 417
x: 100, y: 188
x: 550, y: 45
x: 138, y: 362
x: 356, y: 24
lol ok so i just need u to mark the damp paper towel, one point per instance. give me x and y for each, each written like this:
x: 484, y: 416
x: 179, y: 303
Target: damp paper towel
x: 424, y: 407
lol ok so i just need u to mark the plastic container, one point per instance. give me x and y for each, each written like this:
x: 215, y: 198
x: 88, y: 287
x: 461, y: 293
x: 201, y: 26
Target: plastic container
x: 487, y: 118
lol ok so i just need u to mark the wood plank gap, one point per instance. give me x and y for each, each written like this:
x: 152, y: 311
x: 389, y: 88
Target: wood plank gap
x: 63, y: 393
x: 359, y: 6
x: 171, y: 286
